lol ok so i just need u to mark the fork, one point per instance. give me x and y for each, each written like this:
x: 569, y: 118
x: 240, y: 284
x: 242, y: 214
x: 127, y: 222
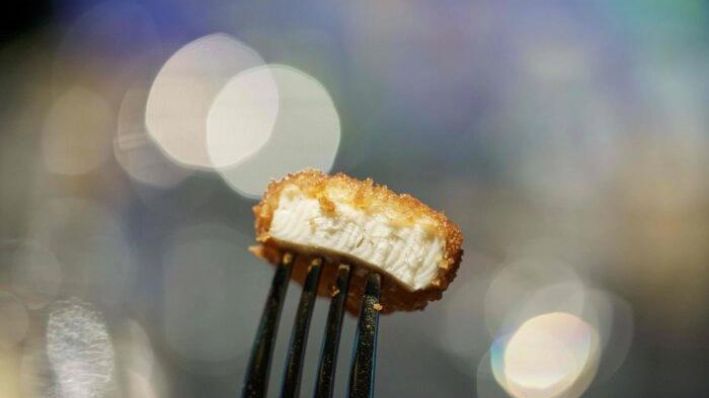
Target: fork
x: 361, y: 381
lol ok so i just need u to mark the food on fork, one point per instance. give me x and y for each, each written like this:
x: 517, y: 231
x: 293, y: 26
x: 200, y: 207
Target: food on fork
x: 417, y: 250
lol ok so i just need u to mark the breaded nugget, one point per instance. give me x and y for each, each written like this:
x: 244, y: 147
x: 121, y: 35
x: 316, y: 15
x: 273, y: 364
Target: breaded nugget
x: 417, y: 250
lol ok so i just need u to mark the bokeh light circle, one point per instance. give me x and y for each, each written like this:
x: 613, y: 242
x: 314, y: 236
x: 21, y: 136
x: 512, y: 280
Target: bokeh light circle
x: 306, y: 133
x: 80, y: 350
x: 242, y: 117
x: 135, y: 152
x: 183, y: 92
x: 550, y: 355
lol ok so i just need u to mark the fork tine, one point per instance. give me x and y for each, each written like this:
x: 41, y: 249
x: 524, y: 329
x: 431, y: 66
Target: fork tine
x: 333, y: 329
x: 365, y: 352
x: 299, y: 336
x: 256, y: 382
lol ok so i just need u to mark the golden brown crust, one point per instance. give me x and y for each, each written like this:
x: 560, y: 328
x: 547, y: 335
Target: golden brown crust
x: 369, y: 197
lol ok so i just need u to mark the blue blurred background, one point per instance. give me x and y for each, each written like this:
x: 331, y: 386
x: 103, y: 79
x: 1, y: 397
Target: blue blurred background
x: 568, y: 139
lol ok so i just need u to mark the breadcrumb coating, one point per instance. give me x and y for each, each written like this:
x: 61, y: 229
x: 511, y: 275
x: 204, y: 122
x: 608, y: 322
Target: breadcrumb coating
x: 402, y: 209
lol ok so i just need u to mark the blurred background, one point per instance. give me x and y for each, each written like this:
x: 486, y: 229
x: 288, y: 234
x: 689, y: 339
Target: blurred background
x: 568, y: 139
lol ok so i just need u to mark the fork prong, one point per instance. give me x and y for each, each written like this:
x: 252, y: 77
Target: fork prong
x: 256, y: 382
x: 333, y: 329
x: 364, y: 361
x: 299, y: 336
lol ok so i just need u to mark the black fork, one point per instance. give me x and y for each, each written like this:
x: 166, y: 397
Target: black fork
x: 361, y: 383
